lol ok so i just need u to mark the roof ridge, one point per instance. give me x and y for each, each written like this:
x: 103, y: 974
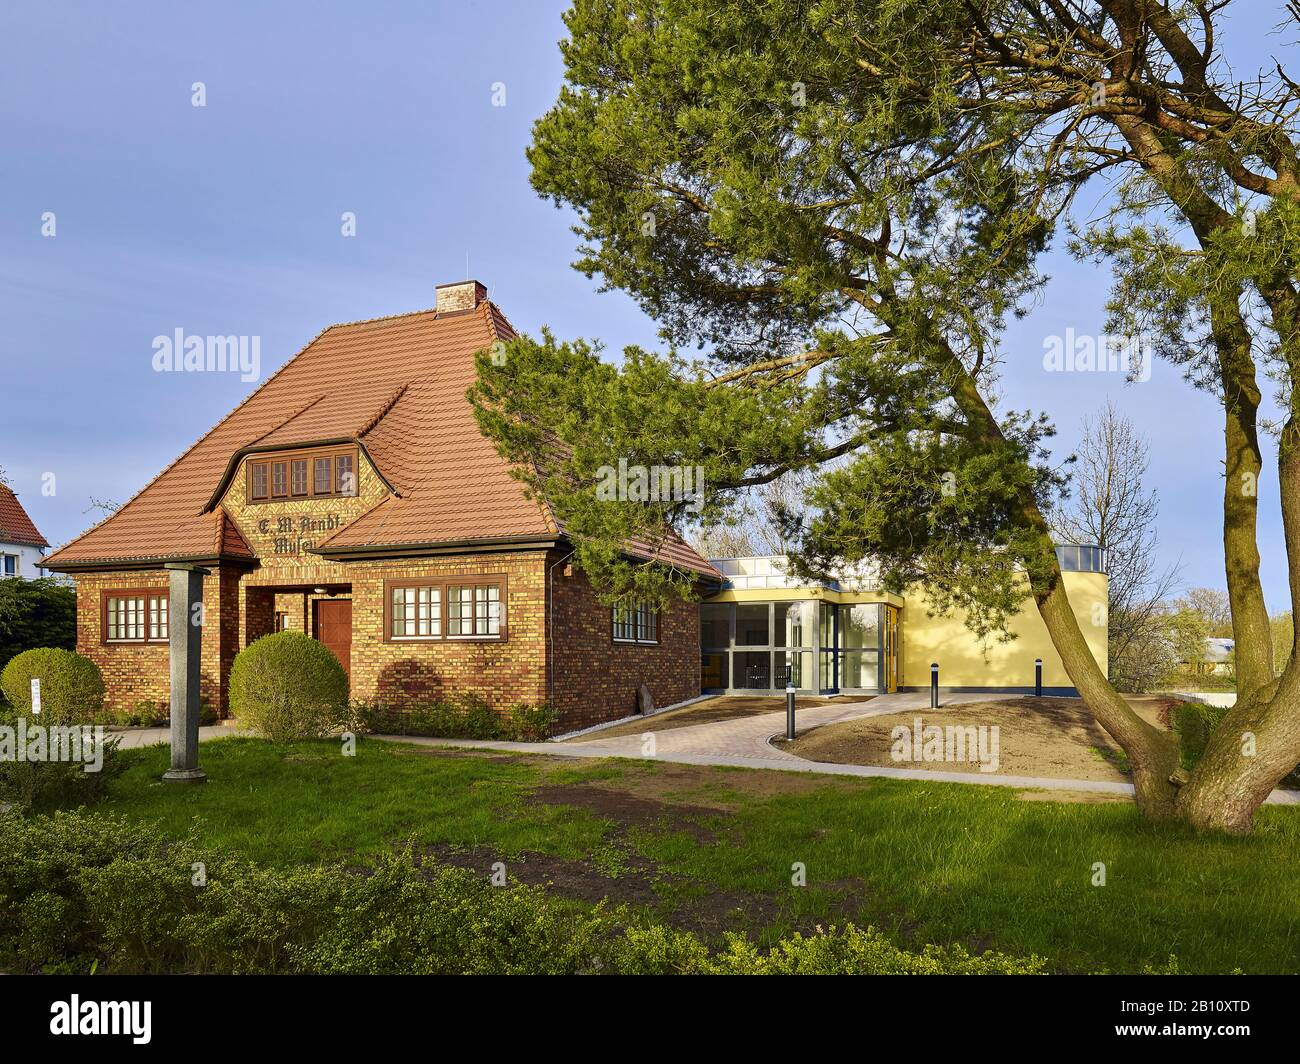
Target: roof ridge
x: 382, y: 317
x: 296, y: 414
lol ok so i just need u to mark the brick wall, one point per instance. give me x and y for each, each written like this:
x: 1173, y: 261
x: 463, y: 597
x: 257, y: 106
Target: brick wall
x: 131, y: 673
x: 578, y: 667
x: 500, y: 672
x: 596, y: 679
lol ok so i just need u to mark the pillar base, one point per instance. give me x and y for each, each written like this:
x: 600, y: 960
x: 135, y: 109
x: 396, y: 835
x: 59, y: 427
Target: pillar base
x: 185, y: 775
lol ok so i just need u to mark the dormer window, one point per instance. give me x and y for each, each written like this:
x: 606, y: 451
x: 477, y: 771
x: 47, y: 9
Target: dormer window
x: 318, y: 473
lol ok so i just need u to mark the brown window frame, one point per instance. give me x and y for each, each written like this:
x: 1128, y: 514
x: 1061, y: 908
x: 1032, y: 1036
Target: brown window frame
x: 294, y: 493
x: 637, y: 610
x: 443, y: 582
x: 148, y: 594
x: 288, y: 460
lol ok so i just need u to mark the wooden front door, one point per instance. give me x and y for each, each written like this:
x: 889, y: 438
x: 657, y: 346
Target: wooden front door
x: 333, y: 627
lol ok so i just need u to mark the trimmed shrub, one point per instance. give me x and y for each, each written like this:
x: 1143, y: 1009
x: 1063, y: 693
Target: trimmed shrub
x: 72, y: 690
x: 289, y: 686
x: 79, y: 891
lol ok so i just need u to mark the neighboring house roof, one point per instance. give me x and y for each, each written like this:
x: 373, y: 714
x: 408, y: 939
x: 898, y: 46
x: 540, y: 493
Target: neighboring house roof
x: 396, y: 386
x: 15, y: 526
x: 1218, y: 650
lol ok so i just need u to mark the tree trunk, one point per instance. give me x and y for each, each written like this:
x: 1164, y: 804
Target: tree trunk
x: 1258, y: 740
x: 1251, y: 631
x: 1248, y: 754
x: 1153, y: 754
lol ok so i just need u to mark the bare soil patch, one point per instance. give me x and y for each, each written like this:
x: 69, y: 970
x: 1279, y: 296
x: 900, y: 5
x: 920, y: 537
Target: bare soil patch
x: 1051, y: 737
x: 723, y: 707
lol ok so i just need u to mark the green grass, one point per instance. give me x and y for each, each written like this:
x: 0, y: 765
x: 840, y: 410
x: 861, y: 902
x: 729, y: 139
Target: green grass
x: 925, y: 862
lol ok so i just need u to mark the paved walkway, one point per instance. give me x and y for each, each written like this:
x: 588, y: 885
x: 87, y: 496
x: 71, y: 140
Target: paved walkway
x: 743, y: 743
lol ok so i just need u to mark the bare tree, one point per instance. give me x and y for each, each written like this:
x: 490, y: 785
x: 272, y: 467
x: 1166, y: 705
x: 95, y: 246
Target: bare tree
x: 1112, y: 508
x: 725, y: 541
x: 765, y: 520
x: 1211, y: 604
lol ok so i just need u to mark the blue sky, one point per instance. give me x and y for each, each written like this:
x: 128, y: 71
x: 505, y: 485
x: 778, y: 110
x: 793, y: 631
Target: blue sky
x: 225, y: 219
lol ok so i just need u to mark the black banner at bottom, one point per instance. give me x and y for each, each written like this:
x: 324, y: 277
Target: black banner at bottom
x: 211, y: 1014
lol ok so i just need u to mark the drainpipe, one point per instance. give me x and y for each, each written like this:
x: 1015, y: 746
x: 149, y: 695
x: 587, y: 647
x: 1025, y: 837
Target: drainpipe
x: 550, y: 626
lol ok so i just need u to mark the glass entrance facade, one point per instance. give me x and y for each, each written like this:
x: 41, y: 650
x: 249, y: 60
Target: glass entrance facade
x: 817, y: 646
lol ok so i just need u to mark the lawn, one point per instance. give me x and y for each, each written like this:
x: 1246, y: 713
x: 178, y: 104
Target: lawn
x: 714, y: 849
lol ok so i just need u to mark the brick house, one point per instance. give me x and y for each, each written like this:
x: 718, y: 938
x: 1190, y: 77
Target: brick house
x: 352, y: 496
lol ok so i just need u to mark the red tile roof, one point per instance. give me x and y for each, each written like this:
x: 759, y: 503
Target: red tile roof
x: 15, y: 525
x: 395, y: 385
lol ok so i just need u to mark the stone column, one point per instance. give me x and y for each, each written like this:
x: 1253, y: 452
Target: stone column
x: 186, y: 647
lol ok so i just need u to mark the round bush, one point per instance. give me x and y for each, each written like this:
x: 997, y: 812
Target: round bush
x: 72, y: 690
x: 288, y: 686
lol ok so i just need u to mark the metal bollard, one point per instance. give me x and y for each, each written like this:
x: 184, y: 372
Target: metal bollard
x: 934, y: 685
x: 789, y: 712
x: 1038, y: 677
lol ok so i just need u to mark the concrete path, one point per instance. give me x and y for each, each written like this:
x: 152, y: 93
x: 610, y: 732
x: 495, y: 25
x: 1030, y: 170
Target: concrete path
x: 743, y: 743
x: 134, y: 738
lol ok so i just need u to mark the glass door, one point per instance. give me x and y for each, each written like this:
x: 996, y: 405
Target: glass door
x: 890, y: 650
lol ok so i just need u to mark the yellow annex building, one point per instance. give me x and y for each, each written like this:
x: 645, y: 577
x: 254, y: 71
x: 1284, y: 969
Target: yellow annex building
x: 765, y: 629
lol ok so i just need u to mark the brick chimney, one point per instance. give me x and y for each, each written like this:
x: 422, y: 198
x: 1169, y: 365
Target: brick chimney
x: 459, y: 296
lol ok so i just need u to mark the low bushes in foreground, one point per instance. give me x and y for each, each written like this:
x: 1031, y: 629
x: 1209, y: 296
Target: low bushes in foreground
x: 459, y: 717
x: 79, y: 890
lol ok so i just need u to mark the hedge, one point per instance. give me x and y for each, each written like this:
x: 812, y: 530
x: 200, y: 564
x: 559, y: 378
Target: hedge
x: 80, y: 891
x: 464, y: 716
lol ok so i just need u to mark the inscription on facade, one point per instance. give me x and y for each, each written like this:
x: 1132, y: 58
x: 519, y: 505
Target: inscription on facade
x: 292, y: 536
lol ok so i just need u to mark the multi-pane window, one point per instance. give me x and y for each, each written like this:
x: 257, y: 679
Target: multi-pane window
x: 157, y: 618
x: 474, y: 610
x: 323, y: 479
x: 417, y: 613
x: 636, y: 623
x: 455, y: 608
x: 10, y: 564
x: 135, y: 617
x: 346, y: 478
x: 317, y: 472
